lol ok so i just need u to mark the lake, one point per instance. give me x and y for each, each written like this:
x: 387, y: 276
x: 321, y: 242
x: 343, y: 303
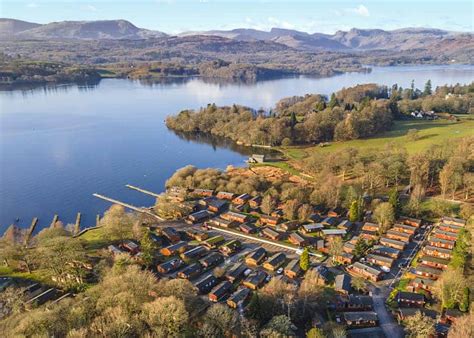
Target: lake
x: 58, y: 145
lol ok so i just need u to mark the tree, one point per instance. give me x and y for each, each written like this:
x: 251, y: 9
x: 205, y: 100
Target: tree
x: 268, y: 204
x: 279, y: 326
x: 335, y: 248
x: 385, y: 216
x: 117, y: 223
x: 315, y: 333
x: 360, y: 247
x: 148, y: 248
x: 359, y: 284
x: 293, y: 119
x: 13, y: 300
x: 462, y: 327
x: 333, y: 101
x: 419, y: 326
x: 354, y: 211
x: 304, y: 212
x: 394, y: 201
x: 290, y: 208
x: 449, y: 288
x: 304, y: 260
x: 166, y: 316
x: 220, y: 321
x: 428, y: 90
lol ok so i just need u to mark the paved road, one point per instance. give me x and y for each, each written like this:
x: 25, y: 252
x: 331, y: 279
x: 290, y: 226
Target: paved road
x: 388, y: 324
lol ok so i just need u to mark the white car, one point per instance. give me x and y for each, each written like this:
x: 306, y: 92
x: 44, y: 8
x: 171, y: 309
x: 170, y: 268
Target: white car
x: 279, y: 271
x: 385, y: 269
x: 247, y: 272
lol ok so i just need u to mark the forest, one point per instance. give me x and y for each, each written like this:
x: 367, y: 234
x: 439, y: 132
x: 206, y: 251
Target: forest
x: 351, y: 113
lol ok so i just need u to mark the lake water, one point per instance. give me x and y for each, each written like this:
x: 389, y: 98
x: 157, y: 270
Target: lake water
x: 58, y: 145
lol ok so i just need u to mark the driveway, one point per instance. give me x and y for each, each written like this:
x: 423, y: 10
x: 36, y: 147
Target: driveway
x: 388, y: 324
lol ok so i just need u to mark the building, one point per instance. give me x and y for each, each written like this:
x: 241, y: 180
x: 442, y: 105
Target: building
x: 223, y: 223
x: 256, y: 257
x: 211, y: 260
x: 220, y: 291
x: 386, y: 251
x: 422, y: 283
x: 426, y: 271
x: 312, y: 228
x: 392, y: 243
x: 206, y: 284
x: 366, y: 271
x: 235, y: 273
x: 323, y: 275
x: 194, y: 253
x: 292, y: 269
x: 441, y: 243
x: 410, y: 299
x: 342, y: 284
x: 238, y: 298
x: 255, y: 202
x: 174, y: 249
x: 345, y: 258
x: 355, y: 303
x: 454, y: 221
x: 213, y: 242
x: 411, y: 221
x: 438, y: 252
x: 269, y: 220
x: 399, y: 236
x: 369, y: 235
x: 217, y: 205
x: 333, y: 232
x: 346, y: 225
x: 288, y: 226
x: 368, y: 226
x: 330, y: 221
x: 450, y: 236
x: 115, y: 250
x: 235, y: 216
x: 348, y: 247
x: 171, y: 265
x: 275, y: 261
x: 380, y: 260
x: 450, y: 227
x: 247, y: 228
x: 131, y: 247
x: 255, y: 158
x: 360, y: 319
x: 297, y: 239
x: 198, y: 217
x: 171, y: 234
x: 241, y: 199
x: 435, y: 262
x: 405, y: 228
x: 190, y: 271
x: 224, y: 195
x: 203, y: 192
x: 255, y: 279
x: 271, y: 234
x: 230, y: 247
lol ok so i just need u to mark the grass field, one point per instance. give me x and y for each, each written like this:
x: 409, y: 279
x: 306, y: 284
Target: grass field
x: 94, y: 239
x: 430, y: 132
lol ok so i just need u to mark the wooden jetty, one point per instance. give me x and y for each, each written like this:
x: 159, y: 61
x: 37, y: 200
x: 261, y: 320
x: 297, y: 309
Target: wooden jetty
x: 32, y: 227
x: 128, y: 206
x: 55, y: 219
x: 97, y: 220
x: 77, y: 225
x: 147, y: 192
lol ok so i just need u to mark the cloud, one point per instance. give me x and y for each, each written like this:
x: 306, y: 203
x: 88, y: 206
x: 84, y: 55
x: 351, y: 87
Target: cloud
x: 361, y: 10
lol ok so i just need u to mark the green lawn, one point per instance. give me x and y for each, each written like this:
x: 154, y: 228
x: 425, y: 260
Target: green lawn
x: 94, y: 239
x: 281, y: 165
x: 37, y: 275
x: 430, y: 132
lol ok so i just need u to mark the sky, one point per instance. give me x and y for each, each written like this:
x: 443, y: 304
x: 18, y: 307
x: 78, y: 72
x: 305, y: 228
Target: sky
x: 176, y: 16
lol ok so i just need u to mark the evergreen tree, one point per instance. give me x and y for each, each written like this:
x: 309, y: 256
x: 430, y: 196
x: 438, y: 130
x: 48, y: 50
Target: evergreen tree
x: 148, y: 248
x: 333, y: 101
x: 293, y: 119
x: 394, y: 200
x: 354, y: 211
x: 304, y: 260
x: 360, y: 247
x: 428, y: 90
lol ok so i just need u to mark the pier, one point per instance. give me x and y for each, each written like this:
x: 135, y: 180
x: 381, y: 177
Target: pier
x: 55, y: 219
x: 147, y: 192
x: 128, y: 206
x: 32, y: 227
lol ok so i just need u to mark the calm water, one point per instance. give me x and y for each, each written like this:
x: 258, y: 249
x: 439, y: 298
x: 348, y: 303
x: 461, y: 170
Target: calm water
x: 59, y: 145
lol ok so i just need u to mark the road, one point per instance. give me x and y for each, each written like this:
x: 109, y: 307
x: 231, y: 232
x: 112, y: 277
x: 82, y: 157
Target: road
x: 388, y: 324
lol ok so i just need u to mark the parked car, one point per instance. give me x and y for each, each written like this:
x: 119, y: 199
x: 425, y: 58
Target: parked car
x: 279, y: 271
x: 385, y: 269
x: 247, y: 272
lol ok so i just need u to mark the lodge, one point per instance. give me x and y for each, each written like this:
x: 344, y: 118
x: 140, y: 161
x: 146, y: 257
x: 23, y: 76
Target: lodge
x: 131, y: 247
x: 441, y: 243
x: 238, y: 298
x: 247, y: 228
x: 369, y: 235
x: 410, y: 299
x: 386, y: 251
x: 194, y: 253
x: 171, y: 265
x: 345, y: 258
x: 392, y: 243
x: 198, y: 217
x: 206, y: 284
x: 336, y: 212
x: 220, y: 291
x: 203, y: 192
x: 256, y: 257
x: 399, y: 236
x: 255, y: 202
x: 235, y: 273
x: 271, y: 234
x: 454, y: 221
x: 450, y: 227
x: 242, y: 199
x: 426, y: 271
x: 422, y: 283
x: 361, y: 319
x: 275, y: 261
x: 174, y: 249
x: 438, y: 252
x: 292, y: 269
x: 230, y: 247
x: 223, y: 223
x: 329, y: 221
x: 371, y: 227
x: 355, y: 303
x: 342, y: 284
x: 211, y: 260
x: 255, y: 280
x: 380, y: 260
x: 323, y: 275
x: 235, y: 216
x: 408, y: 229
x: 213, y: 242
x: 366, y: 271
x: 115, y: 250
x: 450, y: 236
x: 269, y: 220
x: 190, y: 271
x: 414, y: 222
x: 217, y: 205
x: 348, y: 247
x: 346, y: 225
x: 224, y: 195
x: 297, y: 239
x: 334, y: 232
x: 312, y: 228
x: 171, y: 234
x: 289, y: 226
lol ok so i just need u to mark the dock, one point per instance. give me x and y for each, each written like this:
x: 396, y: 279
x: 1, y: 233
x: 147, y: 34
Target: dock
x: 55, y: 219
x: 31, y: 229
x: 77, y: 225
x: 128, y: 206
x: 147, y: 192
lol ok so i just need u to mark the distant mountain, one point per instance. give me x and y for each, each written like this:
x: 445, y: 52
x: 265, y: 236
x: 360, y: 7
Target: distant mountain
x: 103, y: 29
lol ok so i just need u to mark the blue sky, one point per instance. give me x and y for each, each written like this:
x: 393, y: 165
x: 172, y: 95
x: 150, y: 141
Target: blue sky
x: 174, y: 16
